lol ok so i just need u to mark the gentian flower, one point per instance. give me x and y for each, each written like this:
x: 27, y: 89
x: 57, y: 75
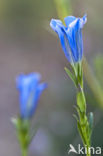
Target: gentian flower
x: 70, y: 36
x: 30, y: 89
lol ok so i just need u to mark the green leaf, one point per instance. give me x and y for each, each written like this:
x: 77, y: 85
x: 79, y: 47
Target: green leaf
x: 71, y: 75
x: 81, y: 101
x: 76, y: 117
x: 79, y: 73
x: 81, y: 133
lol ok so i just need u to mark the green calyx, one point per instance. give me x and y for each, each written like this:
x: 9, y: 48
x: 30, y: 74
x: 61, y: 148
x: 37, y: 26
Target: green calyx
x: 76, y: 74
x: 22, y: 129
x: 25, y: 133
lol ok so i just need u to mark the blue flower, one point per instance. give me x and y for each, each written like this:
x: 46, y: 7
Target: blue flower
x: 30, y: 90
x: 70, y: 36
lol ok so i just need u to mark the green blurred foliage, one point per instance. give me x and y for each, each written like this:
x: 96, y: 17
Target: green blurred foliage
x: 98, y: 68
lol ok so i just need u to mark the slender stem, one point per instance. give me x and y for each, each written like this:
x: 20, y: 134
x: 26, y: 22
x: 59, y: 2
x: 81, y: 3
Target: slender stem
x: 24, y: 152
x: 88, y: 154
x: 23, y: 136
x: 88, y: 151
x: 84, y: 125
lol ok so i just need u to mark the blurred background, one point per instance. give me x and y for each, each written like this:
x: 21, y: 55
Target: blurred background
x: 28, y: 44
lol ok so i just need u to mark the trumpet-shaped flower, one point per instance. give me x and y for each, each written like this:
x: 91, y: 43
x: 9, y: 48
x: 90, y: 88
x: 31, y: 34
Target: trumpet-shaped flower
x: 30, y: 90
x: 70, y: 36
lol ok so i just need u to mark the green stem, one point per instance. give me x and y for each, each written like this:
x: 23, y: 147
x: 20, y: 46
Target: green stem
x: 84, y: 128
x: 23, y: 135
x: 24, y: 152
x: 88, y: 154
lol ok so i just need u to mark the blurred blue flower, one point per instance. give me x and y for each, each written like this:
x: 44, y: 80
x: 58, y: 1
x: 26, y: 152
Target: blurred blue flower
x: 30, y: 90
x: 70, y: 36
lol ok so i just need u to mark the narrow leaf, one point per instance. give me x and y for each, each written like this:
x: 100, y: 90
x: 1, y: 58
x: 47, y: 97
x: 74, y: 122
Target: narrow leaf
x: 75, y: 116
x: 81, y: 101
x: 81, y: 133
x: 70, y: 75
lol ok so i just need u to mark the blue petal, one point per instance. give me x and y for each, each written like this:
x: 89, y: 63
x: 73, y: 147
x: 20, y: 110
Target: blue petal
x: 55, y: 23
x: 69, y: 19
x: 23, y: 80
x: 83, y: 21
x: 42, y: 87
x: 28, y: 86
x: 75, y: 37
x: 70, y: 36
x: 35, y: 99
x: 60, y: 29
